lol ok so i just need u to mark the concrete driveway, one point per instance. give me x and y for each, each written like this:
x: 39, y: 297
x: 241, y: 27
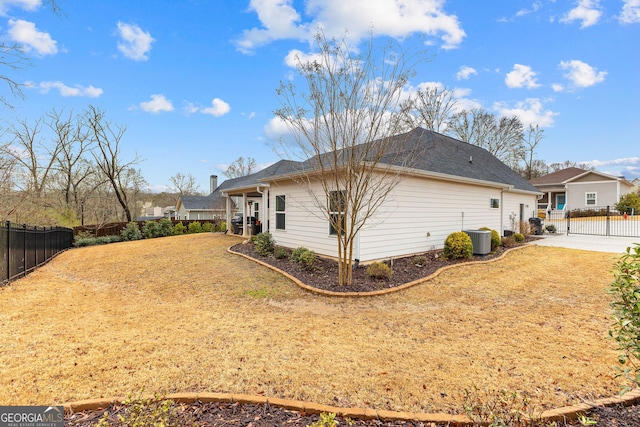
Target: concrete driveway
x: 589, y: 243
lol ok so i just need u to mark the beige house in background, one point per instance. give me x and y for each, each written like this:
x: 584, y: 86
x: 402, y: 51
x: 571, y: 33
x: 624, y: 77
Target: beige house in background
x: 575, y: 188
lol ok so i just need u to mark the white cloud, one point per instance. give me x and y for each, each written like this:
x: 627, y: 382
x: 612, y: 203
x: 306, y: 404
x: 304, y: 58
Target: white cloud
x: 557, y: 87
x: 135, y: 43
x: 64, y: 90
x: 218, y: 108
x: 530, y: 112
x: 26, y: 33
x: 629, y: 167
x: 465, y: 72
x: 296, y: 57
x: 582, y: 74
x: 400, y: 18
x: 630, y: 12
x: 157, y: 104
x: 587, y: 11
x: 534, y: 8
x: 28, y: 5
x: 521, y: 76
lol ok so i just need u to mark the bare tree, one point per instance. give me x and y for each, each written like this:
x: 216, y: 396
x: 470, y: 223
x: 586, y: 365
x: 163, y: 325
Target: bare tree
x: 344, y: 123
x: 240, y: 167
x: 13, y: 58
x: 502, y: 138
x: 531, y: 141
x: 555, y: 167
x: 107, y: 138
x: 184, y: 185
x: 72, y: 166
x: 35, y: 157
x: 432, y: 108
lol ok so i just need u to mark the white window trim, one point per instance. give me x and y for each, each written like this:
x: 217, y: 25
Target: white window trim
x: 491, y: 203
x: 595, y: 198
x: 332, y: 231
x: 282, y: 212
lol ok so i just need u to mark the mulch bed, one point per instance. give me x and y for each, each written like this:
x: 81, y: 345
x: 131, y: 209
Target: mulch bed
x: 325, y: 273
x: 235, y: 414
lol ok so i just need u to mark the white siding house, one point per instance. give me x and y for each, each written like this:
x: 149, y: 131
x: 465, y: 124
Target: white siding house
x: 453, y: 186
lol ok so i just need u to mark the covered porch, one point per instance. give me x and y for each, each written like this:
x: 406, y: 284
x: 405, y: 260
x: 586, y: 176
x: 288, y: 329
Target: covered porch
x: 251, y: 202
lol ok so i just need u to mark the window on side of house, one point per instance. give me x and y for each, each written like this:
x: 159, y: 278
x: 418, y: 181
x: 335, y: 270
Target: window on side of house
x: 494, y: 203
x: 280, y: 213
x: 591, y: 198
x: 337, y: 205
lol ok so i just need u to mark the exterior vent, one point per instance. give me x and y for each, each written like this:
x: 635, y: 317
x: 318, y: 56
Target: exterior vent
x: 481, y: 240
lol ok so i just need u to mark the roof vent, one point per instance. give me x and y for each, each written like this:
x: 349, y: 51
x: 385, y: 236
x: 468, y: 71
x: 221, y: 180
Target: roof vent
x: 470, y: 159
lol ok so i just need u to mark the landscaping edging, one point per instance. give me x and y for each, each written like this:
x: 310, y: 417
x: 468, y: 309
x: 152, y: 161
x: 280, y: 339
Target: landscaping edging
x: 560, y: 414
x: 372, y: 293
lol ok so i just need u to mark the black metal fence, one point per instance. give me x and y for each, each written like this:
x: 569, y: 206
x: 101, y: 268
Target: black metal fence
x: 597, y: 221
x: 23, y: 248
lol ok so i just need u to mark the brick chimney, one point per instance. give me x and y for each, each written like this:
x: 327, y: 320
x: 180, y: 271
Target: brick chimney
x: 213, y: 180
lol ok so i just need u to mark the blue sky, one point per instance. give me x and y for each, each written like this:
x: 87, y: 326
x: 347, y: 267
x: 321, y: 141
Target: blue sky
x: 194, y: 81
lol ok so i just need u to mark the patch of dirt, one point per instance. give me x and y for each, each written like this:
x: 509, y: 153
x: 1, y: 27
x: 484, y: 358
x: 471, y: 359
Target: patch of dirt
x: 324, y: 275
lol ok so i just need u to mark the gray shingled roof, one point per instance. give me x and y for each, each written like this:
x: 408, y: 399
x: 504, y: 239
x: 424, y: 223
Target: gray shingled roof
x: 436, y: 153
x: 212, y: 201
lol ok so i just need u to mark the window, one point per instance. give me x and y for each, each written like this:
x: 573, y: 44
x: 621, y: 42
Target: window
x: 591, y: 198
x: 256, y: 210
x: 495, y: 203
x: 337, y: 207
x: 280, y: 212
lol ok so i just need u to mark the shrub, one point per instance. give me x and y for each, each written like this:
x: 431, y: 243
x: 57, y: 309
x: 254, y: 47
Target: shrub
x: 194, y: 227
x: 179, y: 228
x: 509, y: 242
x: 526, y: 228
x: 458, y: 245
x: 308, y: 259
x: 628, y: 203
x: 279, y: 252
x: 131, y: 232
x: 550, y: 228
x: 151, y: 229
x: 420, y: 260
x: 221, y: 226
x: 305, y: 257
x: 626, y: 313
x: 296, y: 253
x: 264, y: 244
x: 518, y: 238
x: 495, y: 238
x: 165, y: 227
x: 207, y: 227
x: 379, y: 271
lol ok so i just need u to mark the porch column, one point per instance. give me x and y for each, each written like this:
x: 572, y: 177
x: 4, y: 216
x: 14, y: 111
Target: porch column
x: 228, y: 212
x: 244, y: 214
x: 549, y: 203
x: 264, y: 212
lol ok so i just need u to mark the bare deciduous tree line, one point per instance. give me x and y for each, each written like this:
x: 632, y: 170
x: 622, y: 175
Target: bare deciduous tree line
x: 67, y: 169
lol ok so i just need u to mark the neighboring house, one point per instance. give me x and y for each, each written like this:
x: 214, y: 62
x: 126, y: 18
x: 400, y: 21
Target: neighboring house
x: 575, y: 188
x: 156, y: 212
x: 212, y: 206
x: 451, y: 186
x: 636, y: 184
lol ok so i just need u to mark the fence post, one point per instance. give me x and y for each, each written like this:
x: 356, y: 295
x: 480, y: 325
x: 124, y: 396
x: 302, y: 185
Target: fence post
x: 608, y: 224
x: 8, y: 224
x: 568, y: 221
x: 24, y: 256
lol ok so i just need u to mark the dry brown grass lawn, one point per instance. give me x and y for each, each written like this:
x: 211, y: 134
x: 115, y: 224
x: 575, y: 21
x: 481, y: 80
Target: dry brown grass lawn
x: 181, y: 314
